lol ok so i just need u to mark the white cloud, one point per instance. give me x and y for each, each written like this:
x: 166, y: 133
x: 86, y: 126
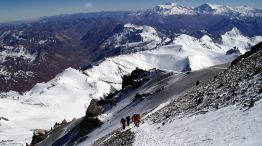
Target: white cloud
x: 89, y: 5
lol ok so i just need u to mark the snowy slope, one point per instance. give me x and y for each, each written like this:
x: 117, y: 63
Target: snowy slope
x: 68, y: 95
x: 64, y: 97
x: 227, y: 126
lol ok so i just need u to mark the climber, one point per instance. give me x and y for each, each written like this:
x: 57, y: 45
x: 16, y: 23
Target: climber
x: 123, y: 122
x: 197, y: 82
x: 133, y: 118
x: 128, y: 120
x: 136, y: 119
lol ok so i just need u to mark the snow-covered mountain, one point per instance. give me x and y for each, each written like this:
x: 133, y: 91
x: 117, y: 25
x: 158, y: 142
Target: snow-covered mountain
x: 213, y: 9
x: 69, y: 93
x: 131, y: 38
x: 208, y: 9
x: 203, y: 52
x: 248, y: 11
x: 173, y: 9
x: 234, y: 39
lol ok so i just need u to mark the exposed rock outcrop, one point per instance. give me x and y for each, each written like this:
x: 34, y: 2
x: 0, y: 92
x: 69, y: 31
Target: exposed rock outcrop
x: 88, y: 125
x: 39, y: 135
x: 135, y: 79
x: 117, y: 138
x: 94, y: 109
x: 91, y: 121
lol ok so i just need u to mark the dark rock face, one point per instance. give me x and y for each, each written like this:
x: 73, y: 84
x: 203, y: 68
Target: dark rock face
x: 233, y: 51
x: 253, y: 50
x: 93, y: 109
x: 239, y: 85
x: 88, y: 125
x: 110, y: 99
x: 187, y: 67
x: 38, y: 136
x: 135, y: 79
x: 117, y: 138
x: 90, y: 121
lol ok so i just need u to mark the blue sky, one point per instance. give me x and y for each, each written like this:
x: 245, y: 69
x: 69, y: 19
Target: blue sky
x: 11, y: 10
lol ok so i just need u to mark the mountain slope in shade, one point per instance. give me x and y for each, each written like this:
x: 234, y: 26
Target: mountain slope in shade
x: 68, y: 95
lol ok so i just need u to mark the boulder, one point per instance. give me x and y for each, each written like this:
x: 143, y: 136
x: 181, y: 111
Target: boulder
x: 94, y: 109
x: 38, y: 136
x: 135, y: 79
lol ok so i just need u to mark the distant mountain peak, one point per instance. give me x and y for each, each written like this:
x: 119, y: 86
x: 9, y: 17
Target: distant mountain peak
x: 133, y: 26
x: 207, y: 8
x: 172, y: 9
x: 234, y: 32
x: 171, y: 3
x: 132, y: 38
x: 213, y: 9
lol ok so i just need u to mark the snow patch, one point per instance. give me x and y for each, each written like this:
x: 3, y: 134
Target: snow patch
x: 16, y: 52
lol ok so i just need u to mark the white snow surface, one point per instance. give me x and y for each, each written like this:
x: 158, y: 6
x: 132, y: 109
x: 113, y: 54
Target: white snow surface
x: 69, y: 93
x: 228, y: 126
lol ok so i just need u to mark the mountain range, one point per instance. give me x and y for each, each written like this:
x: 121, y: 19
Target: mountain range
x: 208, y: 9
x: 58, y: 65
x: 34, y: 52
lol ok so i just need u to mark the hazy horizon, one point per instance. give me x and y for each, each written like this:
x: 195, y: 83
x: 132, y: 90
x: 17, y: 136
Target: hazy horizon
x: 19, y: 10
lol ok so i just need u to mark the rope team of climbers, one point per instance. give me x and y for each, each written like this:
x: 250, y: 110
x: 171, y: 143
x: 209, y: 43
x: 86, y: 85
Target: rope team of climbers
x: 136, y: 118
